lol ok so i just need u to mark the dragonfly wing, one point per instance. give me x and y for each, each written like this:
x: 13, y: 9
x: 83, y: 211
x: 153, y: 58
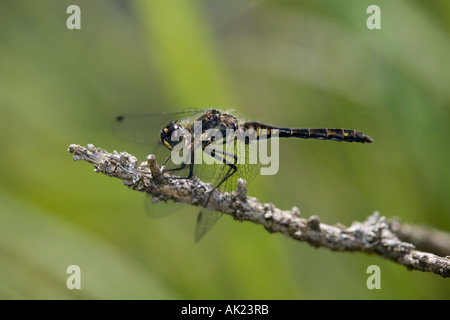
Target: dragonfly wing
x: 226, y: 156
x: 144, y: 128
x: 205, y: 221
x: 160, y: 209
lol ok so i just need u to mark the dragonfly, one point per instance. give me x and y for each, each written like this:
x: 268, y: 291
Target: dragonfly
x: 227, y: 146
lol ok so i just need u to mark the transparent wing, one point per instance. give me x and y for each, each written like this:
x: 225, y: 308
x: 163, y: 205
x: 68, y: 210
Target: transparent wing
x: 205, y: 221
x: 160, y: 209
x: 144, y: 128
x: 233, y: 156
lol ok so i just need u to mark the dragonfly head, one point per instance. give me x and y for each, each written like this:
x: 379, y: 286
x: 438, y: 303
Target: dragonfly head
x: 172, y: 134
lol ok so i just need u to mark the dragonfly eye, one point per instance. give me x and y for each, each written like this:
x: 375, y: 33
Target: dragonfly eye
x: 171, y: 135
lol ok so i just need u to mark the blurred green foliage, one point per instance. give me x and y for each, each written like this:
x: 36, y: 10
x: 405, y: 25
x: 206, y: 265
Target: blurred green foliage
x: 301, y: 64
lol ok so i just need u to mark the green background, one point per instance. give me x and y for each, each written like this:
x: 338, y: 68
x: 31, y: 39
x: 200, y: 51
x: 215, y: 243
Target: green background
x: 299, y: 64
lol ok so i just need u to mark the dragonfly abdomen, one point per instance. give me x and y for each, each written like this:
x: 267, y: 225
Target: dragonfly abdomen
x: 348, y: 135
x: 267, y: 132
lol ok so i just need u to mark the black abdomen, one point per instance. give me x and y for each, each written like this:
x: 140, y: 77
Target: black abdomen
x: 332, y: 134
x: 265, y: 131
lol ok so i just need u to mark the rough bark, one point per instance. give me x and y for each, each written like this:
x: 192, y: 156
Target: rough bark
x: 375, y: 235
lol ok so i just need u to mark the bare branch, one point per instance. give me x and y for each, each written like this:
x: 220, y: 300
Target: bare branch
x: 424, y: 238
x: 374, y: 235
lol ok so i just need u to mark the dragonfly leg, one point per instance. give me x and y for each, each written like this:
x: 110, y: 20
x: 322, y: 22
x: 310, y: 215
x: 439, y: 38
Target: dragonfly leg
x: 232, y: 170
x: 165, y: 161
x: 183, y: 165
x: 176, y: 169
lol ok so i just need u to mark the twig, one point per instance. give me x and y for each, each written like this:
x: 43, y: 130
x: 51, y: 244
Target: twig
x: 424, y: 238
x: 374, y: 236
